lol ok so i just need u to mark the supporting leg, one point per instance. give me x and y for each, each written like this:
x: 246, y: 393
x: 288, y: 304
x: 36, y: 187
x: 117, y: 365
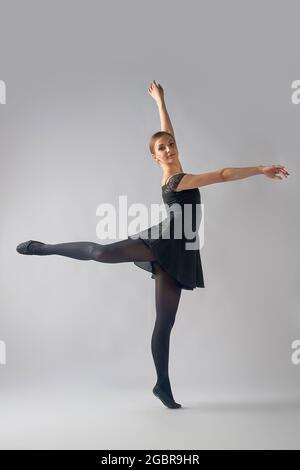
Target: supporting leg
x: 167, y: 296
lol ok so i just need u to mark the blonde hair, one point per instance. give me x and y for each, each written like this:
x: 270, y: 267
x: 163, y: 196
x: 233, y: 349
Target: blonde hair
x: 156, y: 136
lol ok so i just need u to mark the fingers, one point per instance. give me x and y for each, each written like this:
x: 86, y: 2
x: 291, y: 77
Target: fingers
x: 281, y: 169
x: 153, y: 86
x: 150, y: 87
x: 277, y: 172
x: 153, y: 83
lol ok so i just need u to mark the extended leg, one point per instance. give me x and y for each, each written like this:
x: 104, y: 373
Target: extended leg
x: 167, y: 296
x: 117, y: 252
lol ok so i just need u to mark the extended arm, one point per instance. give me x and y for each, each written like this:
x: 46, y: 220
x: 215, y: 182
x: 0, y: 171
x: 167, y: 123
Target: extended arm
x: 222, y: 175
x: 230, y: 174
x: 273, y: 171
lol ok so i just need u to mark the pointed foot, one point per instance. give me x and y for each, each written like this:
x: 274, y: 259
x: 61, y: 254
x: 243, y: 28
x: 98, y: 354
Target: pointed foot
x: 27, y: 248
x: 165, y: 398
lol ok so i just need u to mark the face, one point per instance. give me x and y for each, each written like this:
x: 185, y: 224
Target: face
x: 166, y: 151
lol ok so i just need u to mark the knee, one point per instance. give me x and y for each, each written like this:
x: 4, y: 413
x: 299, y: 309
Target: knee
x: 166, y: 321
x: 97, y: 252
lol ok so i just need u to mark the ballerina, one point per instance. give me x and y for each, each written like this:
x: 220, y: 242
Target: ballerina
x: 173, y: 266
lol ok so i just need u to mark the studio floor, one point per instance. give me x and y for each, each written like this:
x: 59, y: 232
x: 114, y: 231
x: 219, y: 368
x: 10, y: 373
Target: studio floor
x: 77, y: 418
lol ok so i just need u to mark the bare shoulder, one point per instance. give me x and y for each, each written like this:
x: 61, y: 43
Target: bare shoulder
x: 192, y: 181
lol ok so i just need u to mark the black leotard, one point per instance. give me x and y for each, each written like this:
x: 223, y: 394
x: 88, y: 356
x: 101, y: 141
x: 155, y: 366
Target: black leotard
x: 172, y: 254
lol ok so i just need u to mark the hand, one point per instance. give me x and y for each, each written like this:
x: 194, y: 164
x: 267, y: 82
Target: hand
x: 275, y: 171
x: 156, y: 91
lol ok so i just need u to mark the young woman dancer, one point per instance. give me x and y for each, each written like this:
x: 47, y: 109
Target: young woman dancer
x: 173, y: 265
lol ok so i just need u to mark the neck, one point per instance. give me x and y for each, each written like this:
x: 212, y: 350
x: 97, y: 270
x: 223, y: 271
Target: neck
x: 171, y: 170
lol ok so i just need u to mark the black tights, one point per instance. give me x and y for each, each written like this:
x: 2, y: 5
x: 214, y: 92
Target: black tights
x: 167, y: 289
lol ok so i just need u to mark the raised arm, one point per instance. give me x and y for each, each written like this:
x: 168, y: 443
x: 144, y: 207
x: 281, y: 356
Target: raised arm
x: 223, y: 175
x: 157, y: 93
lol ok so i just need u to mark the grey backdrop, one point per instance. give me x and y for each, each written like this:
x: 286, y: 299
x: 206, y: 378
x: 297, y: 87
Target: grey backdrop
x: 74, y: 134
